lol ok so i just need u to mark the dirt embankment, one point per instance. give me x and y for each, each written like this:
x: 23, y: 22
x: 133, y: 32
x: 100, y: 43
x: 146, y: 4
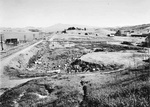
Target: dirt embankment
x: 21, y: 64
x: 15, y: 49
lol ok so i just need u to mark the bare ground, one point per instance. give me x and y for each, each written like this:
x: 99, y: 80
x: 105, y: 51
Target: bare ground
x: 81, y: 83
x: 130, y: 88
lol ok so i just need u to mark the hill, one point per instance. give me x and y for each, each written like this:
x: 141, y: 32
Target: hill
x: 60, y: 27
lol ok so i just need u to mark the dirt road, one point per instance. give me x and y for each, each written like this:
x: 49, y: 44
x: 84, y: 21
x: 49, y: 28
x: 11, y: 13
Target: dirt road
x: 5, y: 81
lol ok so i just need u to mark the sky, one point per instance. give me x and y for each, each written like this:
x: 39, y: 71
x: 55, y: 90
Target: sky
x: 100, y: 13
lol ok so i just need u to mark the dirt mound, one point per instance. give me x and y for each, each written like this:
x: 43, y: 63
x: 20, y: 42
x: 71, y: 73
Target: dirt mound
x: 102, y: 61
x: 125, y: 59
x: 82, y: 66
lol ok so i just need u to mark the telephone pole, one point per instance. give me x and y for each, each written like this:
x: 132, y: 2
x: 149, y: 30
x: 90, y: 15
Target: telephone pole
x: 2, y: 41
x: 33, y: 36
x: 24, y: 38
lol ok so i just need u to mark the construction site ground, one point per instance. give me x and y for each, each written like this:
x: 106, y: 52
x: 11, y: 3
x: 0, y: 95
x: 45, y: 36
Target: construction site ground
x: 79, y: 71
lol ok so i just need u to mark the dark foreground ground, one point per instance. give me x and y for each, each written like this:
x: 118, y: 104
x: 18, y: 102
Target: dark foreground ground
x: 130, y: 88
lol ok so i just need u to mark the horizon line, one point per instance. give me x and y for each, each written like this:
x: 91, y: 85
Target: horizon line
x: 77, y: 25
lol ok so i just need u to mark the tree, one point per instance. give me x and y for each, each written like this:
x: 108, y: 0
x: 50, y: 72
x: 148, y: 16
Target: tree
x: 86, y: 33
x: 71, y: 28
x: 64, y: 31
x: 118, y: 33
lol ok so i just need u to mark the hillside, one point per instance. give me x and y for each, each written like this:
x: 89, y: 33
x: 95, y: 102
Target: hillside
x: 136, y: 27
x: 60, y: 27
x: 141, y: 28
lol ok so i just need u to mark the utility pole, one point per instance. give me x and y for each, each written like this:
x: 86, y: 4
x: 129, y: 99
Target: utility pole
x: 2, y: 41
x: 39, y: 35
x: 24, y: 38
x: 33, y: 36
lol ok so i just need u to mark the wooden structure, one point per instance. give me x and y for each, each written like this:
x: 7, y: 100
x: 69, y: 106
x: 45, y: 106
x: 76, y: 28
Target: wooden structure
x: 12, y: 41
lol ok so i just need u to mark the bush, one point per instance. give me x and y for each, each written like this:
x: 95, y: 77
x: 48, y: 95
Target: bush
x: 126, y: 43
x: 86, y: 33
x: 64, y: 31
x: 71, y: 28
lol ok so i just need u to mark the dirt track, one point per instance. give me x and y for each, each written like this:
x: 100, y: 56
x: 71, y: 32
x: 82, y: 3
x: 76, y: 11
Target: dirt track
x: 5, y: 81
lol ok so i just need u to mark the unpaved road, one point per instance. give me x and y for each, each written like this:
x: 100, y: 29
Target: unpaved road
x: 5, y: 81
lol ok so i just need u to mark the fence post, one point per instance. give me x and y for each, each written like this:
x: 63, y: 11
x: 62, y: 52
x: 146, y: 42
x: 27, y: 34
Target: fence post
x: 2, y: 41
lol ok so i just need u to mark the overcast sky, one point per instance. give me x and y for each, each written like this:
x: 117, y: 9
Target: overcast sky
x: 102, y: 13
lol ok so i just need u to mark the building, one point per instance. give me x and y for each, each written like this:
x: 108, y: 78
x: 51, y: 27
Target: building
x: 111, y: 35
x: 12, y: 41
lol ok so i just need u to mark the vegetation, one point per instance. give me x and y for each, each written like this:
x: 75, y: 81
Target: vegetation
x: 81, y: 83
x: 34, y: 30
x: 71, y: 28
x: 64, y: 31
x: 75, y: 28
x: 124, y: 89
x: 126, y: 43
x: 133, y: 91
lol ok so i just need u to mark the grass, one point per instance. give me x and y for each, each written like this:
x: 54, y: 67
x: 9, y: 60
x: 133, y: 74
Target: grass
x: 58, y: 95
x: 120, y: 96
x: 117, y: 90
x: 130, y: 90
x: 108, y: 47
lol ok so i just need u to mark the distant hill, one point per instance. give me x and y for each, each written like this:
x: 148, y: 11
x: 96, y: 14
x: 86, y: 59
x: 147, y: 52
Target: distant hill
x: 60, y: 27
x: 136, y: 27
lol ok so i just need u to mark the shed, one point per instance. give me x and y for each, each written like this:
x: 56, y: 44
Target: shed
x: 12, y: 41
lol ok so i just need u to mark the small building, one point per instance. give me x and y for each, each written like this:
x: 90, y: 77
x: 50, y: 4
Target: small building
x: 111, y: 35
x: 12, y: 41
